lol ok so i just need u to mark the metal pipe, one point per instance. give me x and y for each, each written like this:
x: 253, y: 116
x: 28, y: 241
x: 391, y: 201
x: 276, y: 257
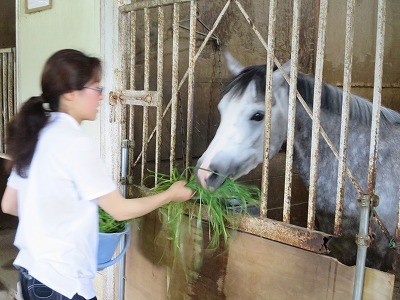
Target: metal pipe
x: 373, y: 156
x: 190, y: 105
x: 363, y: 242
x: 316, y: 114
x: 268, y: 105
x: 175, y: 81
x: 124, y: 180
x: 292, y: 110
x: 344, y: 130
x: 124, y: 40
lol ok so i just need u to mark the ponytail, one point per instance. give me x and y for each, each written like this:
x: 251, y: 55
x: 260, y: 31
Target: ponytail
x: 23, y: 134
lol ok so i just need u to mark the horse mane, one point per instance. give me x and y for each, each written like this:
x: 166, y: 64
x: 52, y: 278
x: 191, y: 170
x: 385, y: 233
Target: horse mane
x: 239, y: 83
x: 331, y: 97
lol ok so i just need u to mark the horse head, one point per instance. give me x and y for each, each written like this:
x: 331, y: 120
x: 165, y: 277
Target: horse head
x: 237, y: 147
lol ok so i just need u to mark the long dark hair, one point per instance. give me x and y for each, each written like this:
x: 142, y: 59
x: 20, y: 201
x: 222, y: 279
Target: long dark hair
x: 65, y: 71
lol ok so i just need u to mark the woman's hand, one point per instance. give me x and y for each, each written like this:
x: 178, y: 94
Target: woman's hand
x: 179, y: 192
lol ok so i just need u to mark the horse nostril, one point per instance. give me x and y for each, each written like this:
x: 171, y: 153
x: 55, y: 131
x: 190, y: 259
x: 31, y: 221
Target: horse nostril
x: 214, y: 181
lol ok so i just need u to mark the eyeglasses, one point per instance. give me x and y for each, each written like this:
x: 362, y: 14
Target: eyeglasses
x: 99, y: 89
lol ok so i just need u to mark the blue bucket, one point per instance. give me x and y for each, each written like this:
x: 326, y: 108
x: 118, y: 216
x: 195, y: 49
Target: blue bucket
x: 108, y: 243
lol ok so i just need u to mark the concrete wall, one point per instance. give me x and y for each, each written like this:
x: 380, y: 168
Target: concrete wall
x: 68, y: 24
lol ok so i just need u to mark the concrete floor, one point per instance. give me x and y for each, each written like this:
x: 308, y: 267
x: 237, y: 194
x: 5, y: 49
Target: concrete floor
x: 8, y: 274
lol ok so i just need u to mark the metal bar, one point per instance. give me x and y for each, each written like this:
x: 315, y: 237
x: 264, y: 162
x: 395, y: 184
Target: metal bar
x: 149, y: 4
x: 268, y: 105
x: 373, y: 156
x: 122, y: 110
x: 145, y: 132
x: 124, y: 177
x: 175, y: 69
x: 133, y: 51
x: 376, y: 109
x: 5, y: 93
x: 292, y: 110
x: 160, y: 70
x: 132, y: 82
x: 10, y: 85
x: 6, y: 50
x: 348, y: 61
x: 2, y: 124
x: 363, y: 244
x: 185, y: 76
x: 316, y: 114
x: 190, y: 105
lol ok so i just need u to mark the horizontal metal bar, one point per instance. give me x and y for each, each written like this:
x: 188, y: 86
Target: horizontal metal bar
x: 7, y: 50
x: 285, y: 233
x: 4, y: 156
x: 141, y: 98
x: 148, y: 4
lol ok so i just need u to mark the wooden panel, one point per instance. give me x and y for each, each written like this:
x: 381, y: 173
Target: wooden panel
x: 252, y: 268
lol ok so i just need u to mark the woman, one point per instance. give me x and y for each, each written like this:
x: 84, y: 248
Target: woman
x: 58, y: 182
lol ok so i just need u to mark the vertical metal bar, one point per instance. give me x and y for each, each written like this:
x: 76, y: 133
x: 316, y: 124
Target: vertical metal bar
x: 132, y: 81
x: 5, y: 93
x: 363, y: 243
x: 348, y: 61
x: 175, y: 62
x: 124, y: 26
x: 292, y: 110
x: 160, y: 70
x: 373, y: 154
x: 2, y: 125
x: 316, y: 114
x: 268, y: 104
x: 376, y: 110
x: 192, y: 53
x: 10, y: 86
x: 145, y: 133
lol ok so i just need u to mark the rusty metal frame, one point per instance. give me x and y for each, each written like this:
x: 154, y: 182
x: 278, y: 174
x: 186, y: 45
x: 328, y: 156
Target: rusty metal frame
x: 305, y: 238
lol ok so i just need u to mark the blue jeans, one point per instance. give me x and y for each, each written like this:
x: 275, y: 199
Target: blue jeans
x: 33, y: 289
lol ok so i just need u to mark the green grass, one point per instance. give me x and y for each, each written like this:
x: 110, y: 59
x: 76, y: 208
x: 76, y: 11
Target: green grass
x: 108, y: 224
x: 220, y: 213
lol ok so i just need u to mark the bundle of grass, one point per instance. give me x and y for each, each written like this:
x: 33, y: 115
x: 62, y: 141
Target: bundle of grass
x: 218, y: 206
x: 108, y: 224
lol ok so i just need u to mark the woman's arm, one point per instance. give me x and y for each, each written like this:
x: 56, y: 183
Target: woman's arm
x: 9, y: 203
x: 123, y: 209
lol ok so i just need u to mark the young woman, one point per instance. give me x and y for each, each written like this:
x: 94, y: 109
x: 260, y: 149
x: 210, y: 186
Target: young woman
x: 57, y: 182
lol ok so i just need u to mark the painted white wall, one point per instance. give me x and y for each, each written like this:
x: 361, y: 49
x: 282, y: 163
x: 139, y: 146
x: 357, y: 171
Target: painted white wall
x: 68, y: 24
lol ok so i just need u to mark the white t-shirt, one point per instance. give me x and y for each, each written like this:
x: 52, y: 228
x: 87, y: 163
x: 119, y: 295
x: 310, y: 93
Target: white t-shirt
x: 57, y: 233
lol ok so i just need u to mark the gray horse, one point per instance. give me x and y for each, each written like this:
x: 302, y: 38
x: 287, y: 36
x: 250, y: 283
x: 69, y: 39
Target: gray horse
x: 237, y: 148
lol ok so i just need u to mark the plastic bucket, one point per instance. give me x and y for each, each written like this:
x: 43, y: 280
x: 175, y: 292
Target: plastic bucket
x: 108, y: 243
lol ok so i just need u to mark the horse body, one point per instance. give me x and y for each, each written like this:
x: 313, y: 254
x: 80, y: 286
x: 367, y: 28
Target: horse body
x: 237, y: 148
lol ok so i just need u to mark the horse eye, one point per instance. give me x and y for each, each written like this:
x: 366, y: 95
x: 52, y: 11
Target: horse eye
x: 257, y: 117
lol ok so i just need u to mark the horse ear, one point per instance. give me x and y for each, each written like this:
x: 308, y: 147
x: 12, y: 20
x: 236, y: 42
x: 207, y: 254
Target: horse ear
x: 286, y: 66
x: 233, y: 65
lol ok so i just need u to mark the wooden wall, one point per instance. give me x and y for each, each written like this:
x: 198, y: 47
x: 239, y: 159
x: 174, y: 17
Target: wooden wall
x: 252, y: 268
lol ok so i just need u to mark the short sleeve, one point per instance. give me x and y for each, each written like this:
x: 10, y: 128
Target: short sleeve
x: 14, y: 180
x: 88, y: 171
